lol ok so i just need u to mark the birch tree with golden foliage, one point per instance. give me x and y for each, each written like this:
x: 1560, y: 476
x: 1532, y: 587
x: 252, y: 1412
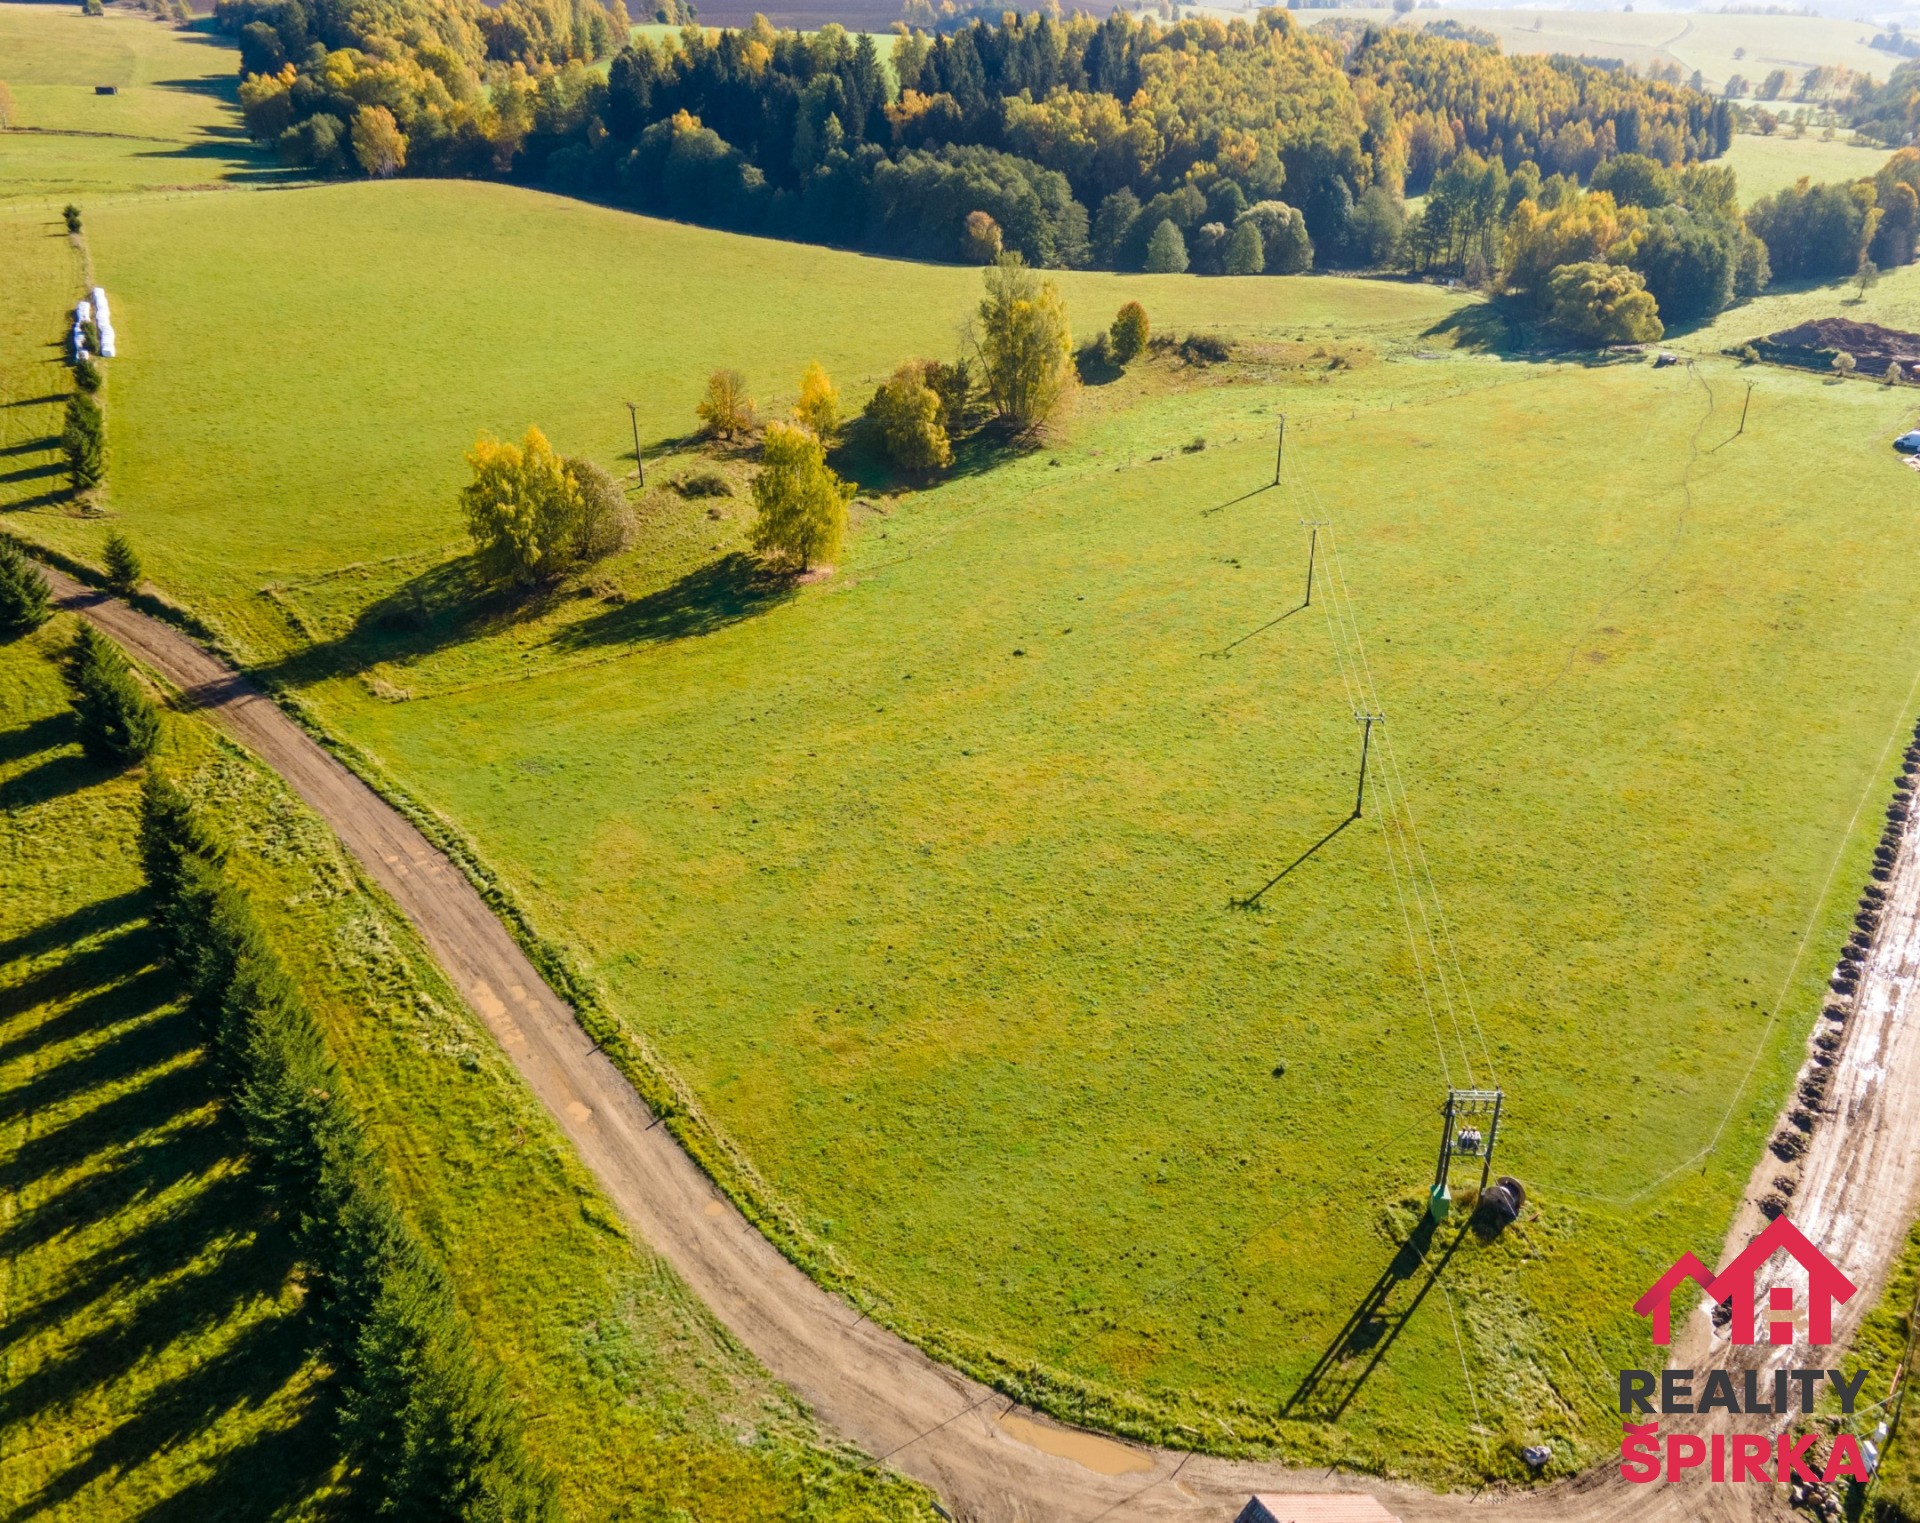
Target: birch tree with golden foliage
x: 1026, y: 348
x: 725, y: 411
x: 819, y: 404
x: 802, y: 504
x: 533, y: 515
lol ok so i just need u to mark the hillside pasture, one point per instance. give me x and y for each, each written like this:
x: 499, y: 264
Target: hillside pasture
x: 174, y: 122
x: 927, y: 878
x: 1718, y: 44
x: 158, y: 1364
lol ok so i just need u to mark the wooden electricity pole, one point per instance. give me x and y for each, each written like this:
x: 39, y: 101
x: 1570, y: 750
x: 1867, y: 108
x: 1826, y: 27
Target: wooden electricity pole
x: 639, y: 466
x: 1366, y: 739
x: 1743, y: 411
x: 1280, y: 451
x: 1313, y: 526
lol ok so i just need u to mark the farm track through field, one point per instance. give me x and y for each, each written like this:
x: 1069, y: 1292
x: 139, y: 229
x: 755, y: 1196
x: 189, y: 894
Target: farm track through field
x: 987, y: 1461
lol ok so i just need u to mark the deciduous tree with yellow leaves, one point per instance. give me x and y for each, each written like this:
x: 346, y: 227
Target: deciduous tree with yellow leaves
x: 802, y: 504
x: 819, y: 404
x: 1026, y: 348
x: 533, y: 514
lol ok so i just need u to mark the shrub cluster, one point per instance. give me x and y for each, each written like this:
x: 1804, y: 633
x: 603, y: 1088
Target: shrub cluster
x: 428, y: 1432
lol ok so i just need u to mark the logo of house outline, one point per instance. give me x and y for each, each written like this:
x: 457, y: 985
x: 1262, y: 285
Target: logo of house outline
x: 1738, y: 1285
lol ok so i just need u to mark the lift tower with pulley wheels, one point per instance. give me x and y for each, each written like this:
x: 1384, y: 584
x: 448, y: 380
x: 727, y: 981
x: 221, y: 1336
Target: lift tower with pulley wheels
x: 1469, y: 1128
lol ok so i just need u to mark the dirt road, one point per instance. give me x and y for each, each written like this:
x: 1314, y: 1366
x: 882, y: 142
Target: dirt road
x: 879, y: 1392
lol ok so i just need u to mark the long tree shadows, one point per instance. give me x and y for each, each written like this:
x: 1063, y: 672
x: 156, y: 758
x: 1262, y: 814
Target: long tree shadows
x: 723, y: 592
x: 452, y: 604
x: 1337, y: 1376
x: 445, y: 605
x: 1485, y: 327
x: 152, y: 1342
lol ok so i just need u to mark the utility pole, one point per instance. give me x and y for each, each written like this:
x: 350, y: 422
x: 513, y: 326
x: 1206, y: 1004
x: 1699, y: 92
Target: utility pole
x: 1280, y: 452
x: 1743, y: 411
x: 1313, y: 526
x: 639, y: 466
x: 1366, y: 740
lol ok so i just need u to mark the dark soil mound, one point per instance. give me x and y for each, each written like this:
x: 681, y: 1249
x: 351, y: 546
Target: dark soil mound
x: 1815, y: 344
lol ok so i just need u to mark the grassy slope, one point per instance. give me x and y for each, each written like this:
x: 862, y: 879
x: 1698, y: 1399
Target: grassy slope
x: 938, y: 933
x: 153, y: 1348
x: 1701, y: 40
x: 1767, y: 164
x: 172, y: 125
x: 522, y: 309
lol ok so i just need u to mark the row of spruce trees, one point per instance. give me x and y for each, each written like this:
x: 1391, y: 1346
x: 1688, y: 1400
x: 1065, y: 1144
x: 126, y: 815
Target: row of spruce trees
x: 427, y: 1431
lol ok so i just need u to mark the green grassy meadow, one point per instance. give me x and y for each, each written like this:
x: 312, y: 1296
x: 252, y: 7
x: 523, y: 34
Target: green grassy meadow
x: 155, y: 1362
x: 173, y: 126
x: 1718, y: 44
x: 1767, y: 164
x: 922, y: 876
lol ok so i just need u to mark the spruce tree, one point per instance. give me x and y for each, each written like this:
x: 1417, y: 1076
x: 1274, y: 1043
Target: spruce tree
x: 123, y: 565
x: 118, y: 722
x: 23, y: 590
x: 83, y: 440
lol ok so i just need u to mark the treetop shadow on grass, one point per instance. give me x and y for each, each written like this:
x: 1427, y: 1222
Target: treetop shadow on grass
x: 443, y: 606
x: 711, y: 597
x: 32, y: 472
x: 84, y: 1007
x: 130, y: 1047
x: 112, y: 913
x: 256, y: 1364
x: 45, y: 444
x: 203, y: 1243
x: 53, y: 776
x: 451, y: 604
x: 30, y: 739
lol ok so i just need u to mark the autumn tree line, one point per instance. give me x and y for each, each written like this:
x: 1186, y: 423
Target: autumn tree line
x: 1080, y: 140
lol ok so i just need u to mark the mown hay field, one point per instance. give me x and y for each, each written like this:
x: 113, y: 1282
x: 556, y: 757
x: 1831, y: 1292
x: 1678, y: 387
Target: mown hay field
x: 923, y: 875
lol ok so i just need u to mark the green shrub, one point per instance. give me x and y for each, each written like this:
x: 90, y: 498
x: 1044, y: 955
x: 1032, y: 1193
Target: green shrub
x: 86, y: 374
x: 703, y: 484
x: 118, y: 721
x: 72, y: 215
x: 907, y: 414
x: 1129, y: 333
x: 23, y: 590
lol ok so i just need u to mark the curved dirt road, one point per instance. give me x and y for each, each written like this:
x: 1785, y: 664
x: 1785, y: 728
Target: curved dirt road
x: 875, y: 1389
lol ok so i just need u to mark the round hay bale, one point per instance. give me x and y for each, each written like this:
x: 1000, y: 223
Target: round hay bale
x: 1505, y: 1199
